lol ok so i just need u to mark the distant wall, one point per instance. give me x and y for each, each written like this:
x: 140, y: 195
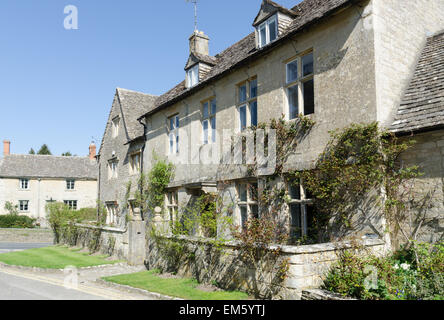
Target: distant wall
x: 26, y: 235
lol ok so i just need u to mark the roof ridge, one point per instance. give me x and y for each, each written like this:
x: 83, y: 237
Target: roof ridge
x: 436, y: 34
x: 46, y: 155
x: 134, y: 91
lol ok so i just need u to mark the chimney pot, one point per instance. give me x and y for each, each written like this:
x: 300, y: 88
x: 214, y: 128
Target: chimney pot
x: 6, y: 147
x: 92, y: 151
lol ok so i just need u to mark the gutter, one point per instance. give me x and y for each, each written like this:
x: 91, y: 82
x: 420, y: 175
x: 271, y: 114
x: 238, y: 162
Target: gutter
x: 418, y: 131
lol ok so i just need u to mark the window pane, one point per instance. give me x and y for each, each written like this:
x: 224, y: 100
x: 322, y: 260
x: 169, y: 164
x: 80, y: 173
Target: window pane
x: 213, y: 107
x: 253, y: 192
x: 177, y: 144
x: 292, y: 71
x: 307, y: 64
x: 243, y: 93
x: 308, y: 97
x: 171, y: 123
x: 205, y: 131
x: 244, y: 214
x: 243, y: 192
x: 293, y: 102
x: 177, y: 122
x: 171, y: 143
x: 254, y: 211
x: 205, y: 110
x: 295, y: 192
x: 243, y: 117
x: 295, y: 216
x: 262, y: 35
x: 272, y: 27
x: 213, y: 127
x: 253, y: 110
x: 253, y: 88
x: 311, y: 227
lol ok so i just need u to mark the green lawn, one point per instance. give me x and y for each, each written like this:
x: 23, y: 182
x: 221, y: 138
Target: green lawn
x: 54, y: 257
x: 176, y: 287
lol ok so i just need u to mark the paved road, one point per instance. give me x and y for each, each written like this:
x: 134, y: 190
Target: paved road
x: 11, y: 247
x: 20, y: 288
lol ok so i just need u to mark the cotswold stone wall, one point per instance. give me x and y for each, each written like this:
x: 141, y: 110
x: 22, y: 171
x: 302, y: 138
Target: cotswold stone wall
x: 111, y: 241
x: 428, y: 189
x: 26, y: 235
x: 207, y: 263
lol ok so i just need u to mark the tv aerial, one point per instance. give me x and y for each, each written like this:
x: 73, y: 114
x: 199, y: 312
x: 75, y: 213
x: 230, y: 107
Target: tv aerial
x: 195, y: 2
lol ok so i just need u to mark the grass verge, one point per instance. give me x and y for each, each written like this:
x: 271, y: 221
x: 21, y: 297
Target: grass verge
x: 185, y: 288
x: 54, y: 257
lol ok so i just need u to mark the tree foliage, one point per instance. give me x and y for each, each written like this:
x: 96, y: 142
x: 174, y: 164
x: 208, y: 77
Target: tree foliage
x: 44, y: 150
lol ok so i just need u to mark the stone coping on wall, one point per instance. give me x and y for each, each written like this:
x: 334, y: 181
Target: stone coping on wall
x: 103, y: 228
x: 302, y: 249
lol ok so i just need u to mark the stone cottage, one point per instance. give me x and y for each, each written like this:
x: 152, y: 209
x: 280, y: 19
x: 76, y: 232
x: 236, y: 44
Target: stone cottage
x: 32, y: 181
x: 337, y: 62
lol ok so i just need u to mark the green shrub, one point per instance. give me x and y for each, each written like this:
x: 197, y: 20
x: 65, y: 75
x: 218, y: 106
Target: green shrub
x: 16, y: 221
x: 409, y: 274
x: 62, y: 220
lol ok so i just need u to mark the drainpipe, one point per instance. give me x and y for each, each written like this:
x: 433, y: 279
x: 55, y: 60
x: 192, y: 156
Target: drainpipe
x: 141, y: 156
x: 98, y: 188
x: 38, y: 199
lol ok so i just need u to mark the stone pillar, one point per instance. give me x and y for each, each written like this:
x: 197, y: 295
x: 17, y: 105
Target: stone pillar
x: 137, y: 243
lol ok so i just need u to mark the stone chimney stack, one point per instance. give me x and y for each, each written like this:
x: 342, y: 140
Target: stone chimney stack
x: 199, y: 43
x: 6, y: 148
x: 92, y: 151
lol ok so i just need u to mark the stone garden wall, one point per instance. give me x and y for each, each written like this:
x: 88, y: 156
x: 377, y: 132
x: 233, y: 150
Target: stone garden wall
x: 26, y: 235
x: 223, y: 264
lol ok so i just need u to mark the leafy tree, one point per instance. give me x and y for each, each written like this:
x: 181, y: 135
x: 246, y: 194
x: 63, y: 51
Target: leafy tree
x: 67, y: 154
x: 31, y: 151
x: 44, y: 150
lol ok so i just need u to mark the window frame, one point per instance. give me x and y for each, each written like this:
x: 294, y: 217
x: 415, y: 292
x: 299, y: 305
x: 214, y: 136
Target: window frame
x: 250, y: 201
x: 247, y: 103
x: 266, y: 24
x: 113, y: 174
x: 298, y: 83
x: 72, y: 204
x: 115, y: 126
x: 173, y: 149
x: 22, y: 204
x: 22, y: 182
x: 70, y: 184
x: 134, y: 167
x: 111, y: 213
x: 209, y: 118
x: 172, y: 204
x: 303, y: 203
x: 189, y: 76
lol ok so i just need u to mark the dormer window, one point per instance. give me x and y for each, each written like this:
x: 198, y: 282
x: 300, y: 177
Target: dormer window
x: 193, y: 76
x: 267, y: 31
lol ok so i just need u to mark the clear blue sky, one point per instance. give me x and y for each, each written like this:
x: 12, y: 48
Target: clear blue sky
x: 57, y: 85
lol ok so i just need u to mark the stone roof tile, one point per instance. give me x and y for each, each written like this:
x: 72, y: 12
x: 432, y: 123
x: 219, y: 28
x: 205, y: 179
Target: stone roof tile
x: 42, y: 166
x: 422, y: 106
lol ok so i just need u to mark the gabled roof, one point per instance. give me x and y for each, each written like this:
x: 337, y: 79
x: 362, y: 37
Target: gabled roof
x: 269, y: 8
x: 197, y: 57
x: 422, y: 107
x: 133, y: 104
x: 308, y: 13
x: 40, y: 166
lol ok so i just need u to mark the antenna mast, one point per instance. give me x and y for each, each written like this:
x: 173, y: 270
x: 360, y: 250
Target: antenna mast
x: 195, y: 12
